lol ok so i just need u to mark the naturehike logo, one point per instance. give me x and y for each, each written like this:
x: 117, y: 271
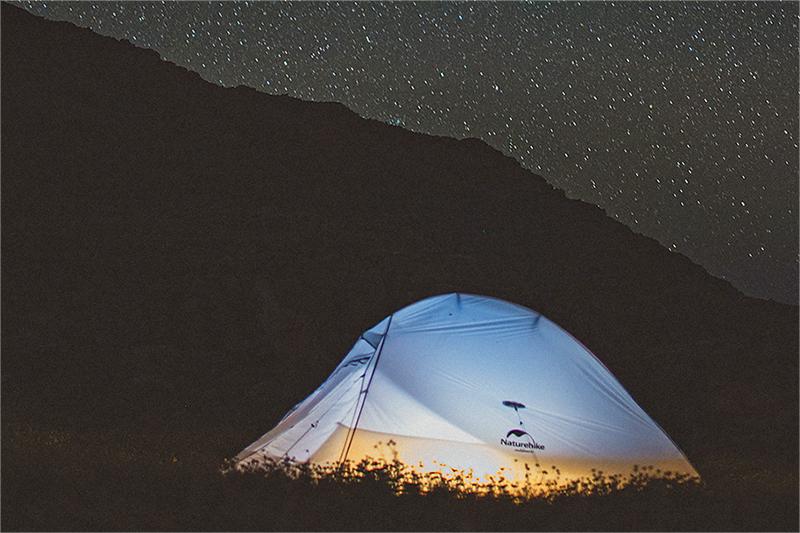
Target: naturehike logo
x: 519, y: 439
x: 523, y: 441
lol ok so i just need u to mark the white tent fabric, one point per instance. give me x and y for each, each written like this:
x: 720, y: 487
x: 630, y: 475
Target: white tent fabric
x: 475, y: 384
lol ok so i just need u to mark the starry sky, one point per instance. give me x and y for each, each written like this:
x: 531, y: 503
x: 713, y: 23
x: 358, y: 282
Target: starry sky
x: 680, y: 120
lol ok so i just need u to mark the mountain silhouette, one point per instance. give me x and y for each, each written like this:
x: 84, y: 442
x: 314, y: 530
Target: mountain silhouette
x: 179, y: 257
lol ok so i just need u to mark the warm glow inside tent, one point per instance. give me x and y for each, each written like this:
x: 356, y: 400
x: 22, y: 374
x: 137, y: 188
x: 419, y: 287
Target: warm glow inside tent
x: 478, y: 384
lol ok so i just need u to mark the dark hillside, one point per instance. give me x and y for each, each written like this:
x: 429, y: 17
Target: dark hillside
x: 183, y: 262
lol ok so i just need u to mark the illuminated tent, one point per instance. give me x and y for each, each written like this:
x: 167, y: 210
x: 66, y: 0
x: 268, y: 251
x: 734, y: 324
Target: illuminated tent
x: 476, y: 383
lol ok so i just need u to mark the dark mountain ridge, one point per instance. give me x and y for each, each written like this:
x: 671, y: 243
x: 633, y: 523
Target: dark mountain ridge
x: 182, y: 257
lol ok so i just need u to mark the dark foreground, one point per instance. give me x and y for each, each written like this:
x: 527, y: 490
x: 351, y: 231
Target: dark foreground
x: 103, y: 485
x: 182, y: 263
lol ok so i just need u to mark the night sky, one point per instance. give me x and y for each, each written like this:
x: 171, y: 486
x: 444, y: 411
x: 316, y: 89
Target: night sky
x: 680, y: 120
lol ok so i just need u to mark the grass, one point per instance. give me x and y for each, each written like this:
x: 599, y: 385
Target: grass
x: 402, y: 479
x: 56, y: 480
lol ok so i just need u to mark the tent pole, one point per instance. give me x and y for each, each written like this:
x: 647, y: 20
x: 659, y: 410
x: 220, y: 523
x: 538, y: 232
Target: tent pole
x: 352, y: 433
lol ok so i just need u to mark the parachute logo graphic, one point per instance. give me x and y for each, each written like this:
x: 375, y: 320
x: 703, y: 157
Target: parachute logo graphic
x: 523, y: 441
x: 517, y: 433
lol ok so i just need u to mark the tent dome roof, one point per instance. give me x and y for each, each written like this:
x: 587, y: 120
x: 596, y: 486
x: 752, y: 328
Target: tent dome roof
x: 477, y: 383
